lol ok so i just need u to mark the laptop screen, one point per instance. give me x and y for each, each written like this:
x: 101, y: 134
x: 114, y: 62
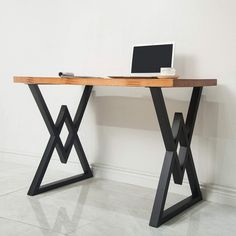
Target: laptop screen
x: 149, y: 59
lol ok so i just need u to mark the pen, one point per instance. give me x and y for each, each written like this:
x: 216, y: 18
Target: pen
x: 66, y: 74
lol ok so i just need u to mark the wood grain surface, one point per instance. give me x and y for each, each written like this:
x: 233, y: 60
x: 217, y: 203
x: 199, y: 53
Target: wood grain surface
x: 118, y: 81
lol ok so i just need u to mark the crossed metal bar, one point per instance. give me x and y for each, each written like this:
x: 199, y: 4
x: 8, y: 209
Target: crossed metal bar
x: 55, y: 141
x: 175, y: 164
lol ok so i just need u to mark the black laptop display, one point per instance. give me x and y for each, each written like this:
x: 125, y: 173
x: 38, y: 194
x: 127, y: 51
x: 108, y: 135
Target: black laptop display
x: 149, y: 59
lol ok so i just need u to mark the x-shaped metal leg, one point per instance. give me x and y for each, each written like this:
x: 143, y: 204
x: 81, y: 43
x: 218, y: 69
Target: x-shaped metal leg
x: 55, y: 141
x: 175, y: 164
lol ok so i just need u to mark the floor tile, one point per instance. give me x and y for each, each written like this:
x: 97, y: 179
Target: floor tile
x: 13, y: 228
x: 96, y: 207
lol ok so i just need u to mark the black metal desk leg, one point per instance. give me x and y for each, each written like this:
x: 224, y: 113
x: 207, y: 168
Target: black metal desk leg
x: 175, y: 163
x: 55, y: 141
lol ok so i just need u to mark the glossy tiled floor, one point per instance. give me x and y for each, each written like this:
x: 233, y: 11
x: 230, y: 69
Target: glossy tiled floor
x: 95, y: 207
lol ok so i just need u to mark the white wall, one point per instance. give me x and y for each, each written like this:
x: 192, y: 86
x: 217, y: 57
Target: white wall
x: 120, y: 131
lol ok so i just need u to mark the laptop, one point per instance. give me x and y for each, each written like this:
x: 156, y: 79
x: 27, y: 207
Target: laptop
x: 148, y: 59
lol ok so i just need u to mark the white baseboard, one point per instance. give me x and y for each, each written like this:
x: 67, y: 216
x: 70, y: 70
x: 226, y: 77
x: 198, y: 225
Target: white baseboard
x: 211, y: 192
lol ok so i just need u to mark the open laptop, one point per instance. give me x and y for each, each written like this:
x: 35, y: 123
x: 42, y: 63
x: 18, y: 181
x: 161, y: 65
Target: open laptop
x: 148, y: 59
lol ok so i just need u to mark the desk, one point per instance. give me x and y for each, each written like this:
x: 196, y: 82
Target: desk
x: 181, y: 131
